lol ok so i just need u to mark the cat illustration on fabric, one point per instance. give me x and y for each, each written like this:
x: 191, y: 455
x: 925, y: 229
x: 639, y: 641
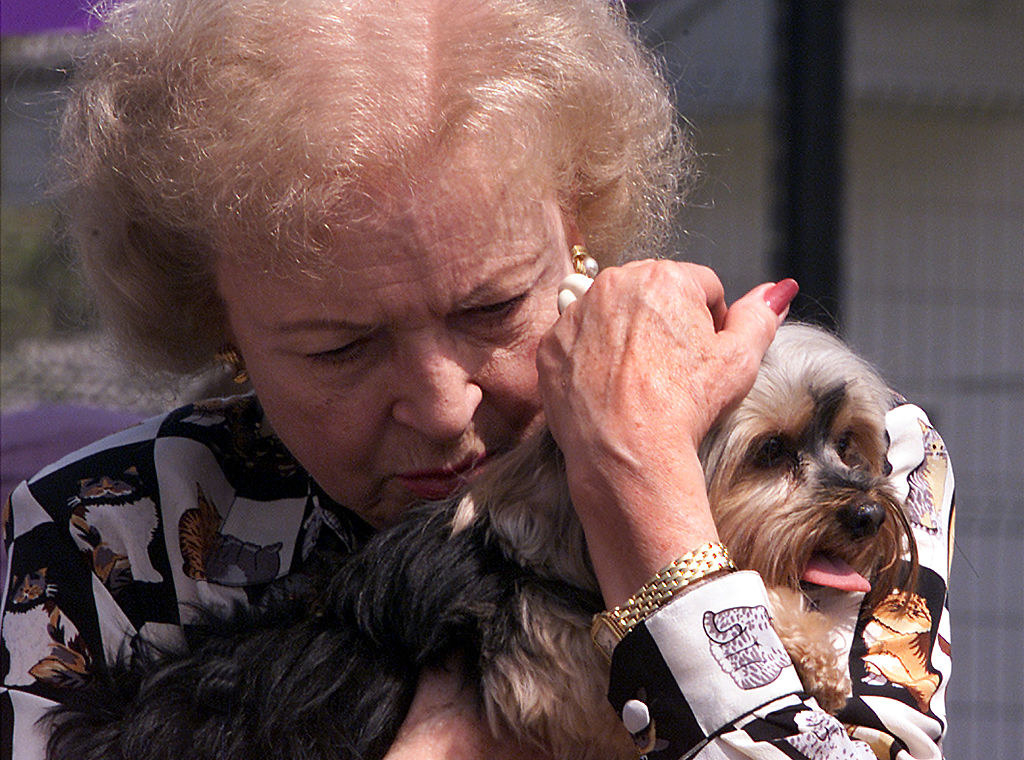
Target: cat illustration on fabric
x: 58, y: 656
x: 220, y: 558
x: 928, y: 482
x: 114, y: 524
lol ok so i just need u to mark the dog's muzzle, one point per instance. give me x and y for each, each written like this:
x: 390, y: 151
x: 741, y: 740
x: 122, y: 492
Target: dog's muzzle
x: 862, y: 520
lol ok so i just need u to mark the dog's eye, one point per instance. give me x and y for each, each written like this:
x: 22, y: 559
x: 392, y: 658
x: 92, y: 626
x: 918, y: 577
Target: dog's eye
x: 844, y: 442
x: 772, y: 452
x: 847, y: 451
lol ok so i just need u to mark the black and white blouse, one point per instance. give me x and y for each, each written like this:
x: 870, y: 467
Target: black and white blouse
x: 203, y: 508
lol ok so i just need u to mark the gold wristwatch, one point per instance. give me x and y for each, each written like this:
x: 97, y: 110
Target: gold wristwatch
x: 708, y: 559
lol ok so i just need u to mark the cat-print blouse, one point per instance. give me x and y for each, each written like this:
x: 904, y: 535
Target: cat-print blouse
x: 134, y: 535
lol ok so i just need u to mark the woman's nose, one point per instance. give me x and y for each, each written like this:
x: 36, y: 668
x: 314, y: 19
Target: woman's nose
x: 437, y: 396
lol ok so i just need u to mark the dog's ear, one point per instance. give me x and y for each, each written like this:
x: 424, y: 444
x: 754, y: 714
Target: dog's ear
x: 523, y: 499
x: 529, y: 481
x: 216, y: 687
x: 89, y: 726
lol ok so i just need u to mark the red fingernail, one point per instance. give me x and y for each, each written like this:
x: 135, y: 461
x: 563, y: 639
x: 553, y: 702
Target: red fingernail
x: 779, y: 295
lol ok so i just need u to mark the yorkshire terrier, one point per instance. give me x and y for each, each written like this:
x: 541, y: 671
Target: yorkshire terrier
x: 499, y: 577
x: 797, y: 481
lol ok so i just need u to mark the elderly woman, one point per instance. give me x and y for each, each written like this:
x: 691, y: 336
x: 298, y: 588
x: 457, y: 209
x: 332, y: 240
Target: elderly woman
x: 368, y: 208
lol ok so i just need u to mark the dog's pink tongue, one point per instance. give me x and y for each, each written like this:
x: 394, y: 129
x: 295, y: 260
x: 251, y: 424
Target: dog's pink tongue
x: 835, y: 573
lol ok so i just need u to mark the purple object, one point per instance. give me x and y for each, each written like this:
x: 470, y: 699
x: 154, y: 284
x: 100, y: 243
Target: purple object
x: 34, y: 438
x: 25, y: 17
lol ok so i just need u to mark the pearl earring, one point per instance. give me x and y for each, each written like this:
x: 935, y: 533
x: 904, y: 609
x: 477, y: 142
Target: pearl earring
x: 575, y: 285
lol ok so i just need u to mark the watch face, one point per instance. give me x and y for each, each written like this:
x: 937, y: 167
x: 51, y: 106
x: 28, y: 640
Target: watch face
x: 606, y: 633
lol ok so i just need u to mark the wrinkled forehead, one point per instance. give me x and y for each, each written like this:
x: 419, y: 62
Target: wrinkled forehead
x: 466, y: 199
x: 485, y: 183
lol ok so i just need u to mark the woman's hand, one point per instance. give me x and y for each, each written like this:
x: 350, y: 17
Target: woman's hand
x: 632, y: 377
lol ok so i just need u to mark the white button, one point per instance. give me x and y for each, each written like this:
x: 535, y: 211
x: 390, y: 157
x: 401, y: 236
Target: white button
x: 635, y: 716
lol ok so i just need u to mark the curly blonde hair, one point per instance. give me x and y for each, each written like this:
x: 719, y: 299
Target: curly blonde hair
x: 200, y: 127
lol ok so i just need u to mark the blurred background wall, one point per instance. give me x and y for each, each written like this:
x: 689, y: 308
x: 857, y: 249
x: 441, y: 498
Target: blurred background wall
x: 930, y: 274
x: 925, y: 276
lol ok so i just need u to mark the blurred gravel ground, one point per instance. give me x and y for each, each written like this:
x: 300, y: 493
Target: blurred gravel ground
x: 85, y: 370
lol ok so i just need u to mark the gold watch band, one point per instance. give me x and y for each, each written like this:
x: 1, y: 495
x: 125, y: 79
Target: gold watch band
x: 611, y: 626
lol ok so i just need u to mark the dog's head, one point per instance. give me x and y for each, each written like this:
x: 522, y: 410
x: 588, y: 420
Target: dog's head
x: 797, y: 472
x: 796, y: 475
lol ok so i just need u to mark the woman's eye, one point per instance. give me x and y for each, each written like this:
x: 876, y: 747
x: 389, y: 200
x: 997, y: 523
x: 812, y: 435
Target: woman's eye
x: 500, y: 308
x: 490, y: 316
x: 345, y: 353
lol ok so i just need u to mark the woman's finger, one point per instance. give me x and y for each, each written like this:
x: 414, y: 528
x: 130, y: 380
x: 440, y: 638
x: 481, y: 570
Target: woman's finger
x: 753, y: 319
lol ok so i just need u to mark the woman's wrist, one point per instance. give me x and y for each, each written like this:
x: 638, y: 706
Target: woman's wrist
x: 635, y: 526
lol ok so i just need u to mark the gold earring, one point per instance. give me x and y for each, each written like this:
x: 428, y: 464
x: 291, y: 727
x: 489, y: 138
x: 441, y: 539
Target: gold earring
x: 583, y: 263
x: 229, y: 355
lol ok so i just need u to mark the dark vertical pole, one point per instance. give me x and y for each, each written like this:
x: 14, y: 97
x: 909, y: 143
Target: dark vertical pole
x: 808, y: 201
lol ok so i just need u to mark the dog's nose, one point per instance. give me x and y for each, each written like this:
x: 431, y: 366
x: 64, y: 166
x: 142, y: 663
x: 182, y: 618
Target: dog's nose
x: 862, y: 520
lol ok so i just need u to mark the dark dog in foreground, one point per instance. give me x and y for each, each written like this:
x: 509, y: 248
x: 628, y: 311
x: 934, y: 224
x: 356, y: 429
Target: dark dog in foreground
x: 499, y: 577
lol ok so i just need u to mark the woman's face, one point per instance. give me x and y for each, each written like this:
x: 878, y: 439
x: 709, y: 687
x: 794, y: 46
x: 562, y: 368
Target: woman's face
x: 411, y: 361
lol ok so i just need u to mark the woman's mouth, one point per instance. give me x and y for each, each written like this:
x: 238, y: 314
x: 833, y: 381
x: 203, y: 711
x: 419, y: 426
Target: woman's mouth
x: 440, y: 483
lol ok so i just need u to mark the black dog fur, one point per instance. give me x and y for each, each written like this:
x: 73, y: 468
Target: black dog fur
x: 315, y: 675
